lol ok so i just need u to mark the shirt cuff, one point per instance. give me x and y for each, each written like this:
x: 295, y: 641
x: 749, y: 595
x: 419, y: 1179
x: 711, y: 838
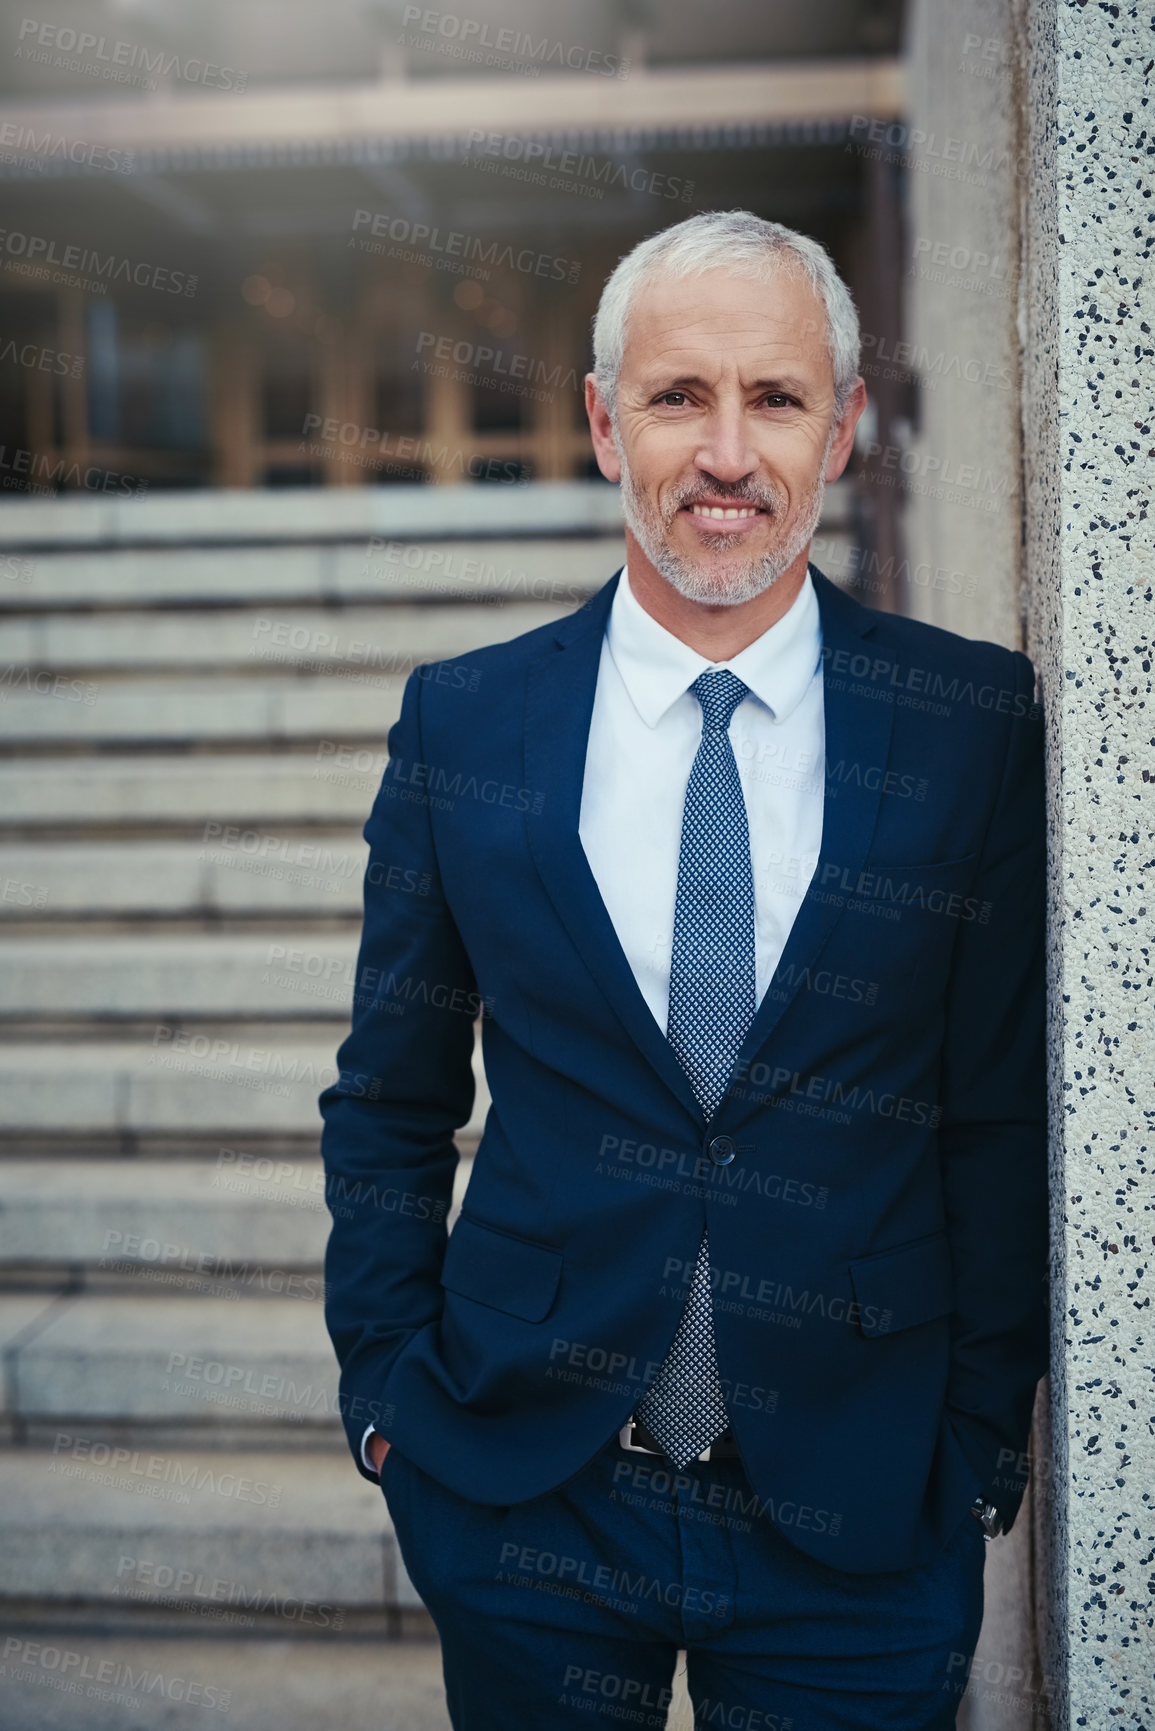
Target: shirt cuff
x: 369, y: 1467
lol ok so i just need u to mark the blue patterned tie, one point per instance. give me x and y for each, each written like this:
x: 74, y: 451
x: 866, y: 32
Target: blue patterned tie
x: 712, y: 1003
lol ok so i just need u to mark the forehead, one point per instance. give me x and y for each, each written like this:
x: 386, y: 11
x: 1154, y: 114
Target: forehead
x: 719, y: 317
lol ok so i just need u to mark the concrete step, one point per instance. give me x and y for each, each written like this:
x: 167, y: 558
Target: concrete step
x: 389, y: 638
x: 54, y: 1680
x: 329, y: 783
x: 242, y: 1540
x: 58, y: 709
x: 222, y: 1082
x: 259, y: 873
x: 294, y: 1684
x: 173, y: 1081
x: 216, y: 1364
x: 234, y: 517
x: 194, y: 1218
x: 293, y: 974
x: 493, y: 574
x: 22, y: 1316
x: 178, y: 1224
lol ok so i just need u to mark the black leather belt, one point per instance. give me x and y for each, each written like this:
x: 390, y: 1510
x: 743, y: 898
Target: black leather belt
x: 635, y: 1436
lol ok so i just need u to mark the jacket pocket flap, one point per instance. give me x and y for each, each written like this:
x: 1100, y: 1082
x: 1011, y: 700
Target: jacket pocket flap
x: 510, y: 1274
x: 914, y: 885
x: 899, y: 1288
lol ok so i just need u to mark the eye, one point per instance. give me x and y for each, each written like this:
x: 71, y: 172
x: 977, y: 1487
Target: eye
x: 666, y: 395
x: 780, y: 399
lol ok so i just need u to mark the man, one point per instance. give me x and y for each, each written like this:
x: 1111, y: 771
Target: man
x: 743, y: 1314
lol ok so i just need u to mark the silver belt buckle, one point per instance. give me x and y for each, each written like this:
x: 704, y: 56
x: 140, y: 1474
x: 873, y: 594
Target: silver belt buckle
x: 641, y: 1449
x: 634, y: 1448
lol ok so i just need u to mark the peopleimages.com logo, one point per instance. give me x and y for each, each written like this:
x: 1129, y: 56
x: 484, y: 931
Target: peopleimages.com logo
x: 40, y: 251
x: 476, y: 39
x: 118, y: 61
x: 470, y: 248
x: 54, y: 147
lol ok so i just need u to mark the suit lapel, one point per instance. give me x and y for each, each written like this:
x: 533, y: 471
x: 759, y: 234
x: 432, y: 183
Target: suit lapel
x: 559, y: 706
x: 859, y: 712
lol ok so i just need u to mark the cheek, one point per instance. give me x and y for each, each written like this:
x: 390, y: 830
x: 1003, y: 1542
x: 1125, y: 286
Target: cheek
x: 794, y: 454
x: 796, y: 484
x: 661, y: 448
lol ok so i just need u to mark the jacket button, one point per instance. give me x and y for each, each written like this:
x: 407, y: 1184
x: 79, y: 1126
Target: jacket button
x: 721, y: 1150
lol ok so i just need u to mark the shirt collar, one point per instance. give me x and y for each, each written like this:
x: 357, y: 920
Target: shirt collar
x: 656, y: 667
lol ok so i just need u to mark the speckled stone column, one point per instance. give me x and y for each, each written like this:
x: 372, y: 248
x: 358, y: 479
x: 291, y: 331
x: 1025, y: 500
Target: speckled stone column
x: 1089, y: 467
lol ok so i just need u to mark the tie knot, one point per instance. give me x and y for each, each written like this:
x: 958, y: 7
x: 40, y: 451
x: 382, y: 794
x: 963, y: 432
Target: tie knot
x: 719, y: 692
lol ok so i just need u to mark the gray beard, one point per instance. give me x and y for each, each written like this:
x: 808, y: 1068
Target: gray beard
x: 728, y: 588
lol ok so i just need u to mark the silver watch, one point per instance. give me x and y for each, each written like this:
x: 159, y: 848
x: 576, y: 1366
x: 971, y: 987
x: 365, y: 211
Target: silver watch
x: 990, y: 1517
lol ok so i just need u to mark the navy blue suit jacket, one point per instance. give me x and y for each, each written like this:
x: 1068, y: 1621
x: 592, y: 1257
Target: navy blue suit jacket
x: 878, y: 1239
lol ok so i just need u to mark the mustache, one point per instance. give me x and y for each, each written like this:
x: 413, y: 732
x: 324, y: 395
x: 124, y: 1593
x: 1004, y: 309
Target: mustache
x: 733, y: 493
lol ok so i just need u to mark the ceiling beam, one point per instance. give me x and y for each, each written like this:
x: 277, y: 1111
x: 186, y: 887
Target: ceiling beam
x: 206, y: 129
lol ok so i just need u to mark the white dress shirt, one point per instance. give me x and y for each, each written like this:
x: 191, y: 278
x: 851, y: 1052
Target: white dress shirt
x: 644, y: 734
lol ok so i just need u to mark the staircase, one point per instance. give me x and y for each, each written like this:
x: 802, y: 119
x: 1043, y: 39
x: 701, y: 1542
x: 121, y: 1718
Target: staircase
x: 195, y: 696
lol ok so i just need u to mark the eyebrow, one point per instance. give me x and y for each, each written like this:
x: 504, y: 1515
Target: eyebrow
x: 785, y: 383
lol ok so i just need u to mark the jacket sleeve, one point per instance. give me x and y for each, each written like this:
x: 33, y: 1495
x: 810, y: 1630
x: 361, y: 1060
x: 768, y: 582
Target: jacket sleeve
x: 404, y: 1085
x: 993, y: 1139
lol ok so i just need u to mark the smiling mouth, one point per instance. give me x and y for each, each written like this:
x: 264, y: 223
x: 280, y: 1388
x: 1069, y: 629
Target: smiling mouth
x: 725, y: 513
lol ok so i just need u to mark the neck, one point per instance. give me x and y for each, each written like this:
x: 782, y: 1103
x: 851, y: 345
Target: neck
x: 717, y: 632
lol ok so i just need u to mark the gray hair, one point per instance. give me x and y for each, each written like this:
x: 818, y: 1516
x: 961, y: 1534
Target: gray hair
x: 748, y: 246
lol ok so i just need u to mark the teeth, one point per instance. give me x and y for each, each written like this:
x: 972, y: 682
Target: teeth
x: 724, y: 512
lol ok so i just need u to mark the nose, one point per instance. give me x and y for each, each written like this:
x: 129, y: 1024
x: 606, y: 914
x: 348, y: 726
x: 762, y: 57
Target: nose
x: 726, y: 451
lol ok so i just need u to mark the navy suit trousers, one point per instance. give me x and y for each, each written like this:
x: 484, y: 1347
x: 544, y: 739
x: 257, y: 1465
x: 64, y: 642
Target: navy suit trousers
x: 568, y: 1609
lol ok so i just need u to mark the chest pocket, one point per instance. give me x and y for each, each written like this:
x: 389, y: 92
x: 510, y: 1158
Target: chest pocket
x: 911, y: 914
x: 899, y: 923
x: 939, y: 887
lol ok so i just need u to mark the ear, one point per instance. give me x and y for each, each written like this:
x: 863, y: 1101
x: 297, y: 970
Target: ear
x: 843, y: 442
x: 601, y: 432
